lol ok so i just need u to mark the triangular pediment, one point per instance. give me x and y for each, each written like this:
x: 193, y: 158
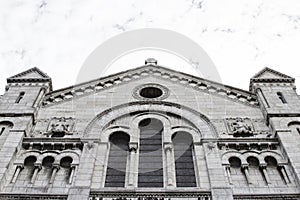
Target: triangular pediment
x: 268, y: 73
x: 30, y: 74
x: 187, y: 80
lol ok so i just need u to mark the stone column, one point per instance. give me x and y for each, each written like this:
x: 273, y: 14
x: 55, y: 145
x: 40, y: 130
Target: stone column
x: 284, y: 174
x: 55, y: 169
x: 17, y: 172
x: 132, y: 159
x: 227, y: 170
x: 73, y: 170
x: 37, y: 168
x: 246, y: 171
x: 263, y: 168
x: 169, y: 164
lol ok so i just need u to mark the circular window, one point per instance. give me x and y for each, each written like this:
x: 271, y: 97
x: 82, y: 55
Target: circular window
x: 150, y: 92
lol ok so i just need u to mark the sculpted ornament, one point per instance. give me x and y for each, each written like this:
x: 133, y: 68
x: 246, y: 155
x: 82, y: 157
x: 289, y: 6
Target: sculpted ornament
x: 240, y: 127
x: 60, y: 126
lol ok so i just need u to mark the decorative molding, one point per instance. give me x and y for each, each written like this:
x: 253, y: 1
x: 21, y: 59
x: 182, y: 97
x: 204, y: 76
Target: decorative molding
x: 196, y: 83
x: 150, y: 195
x: 32, y: 197
x: 137, y: 90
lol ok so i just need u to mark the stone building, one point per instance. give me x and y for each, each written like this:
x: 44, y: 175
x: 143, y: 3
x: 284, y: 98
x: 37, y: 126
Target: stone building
x: 149, y: 133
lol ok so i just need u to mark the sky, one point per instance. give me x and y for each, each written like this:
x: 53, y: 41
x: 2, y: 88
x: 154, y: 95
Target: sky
x: 241, y: 37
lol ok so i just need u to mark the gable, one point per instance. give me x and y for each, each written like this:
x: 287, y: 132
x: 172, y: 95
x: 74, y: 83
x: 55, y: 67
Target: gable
x: 268, y: 73
x: 188, y: 81
x: 33, y: 73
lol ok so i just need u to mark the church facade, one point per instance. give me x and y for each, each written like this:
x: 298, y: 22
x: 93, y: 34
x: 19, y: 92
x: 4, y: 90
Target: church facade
x: 150, y: 133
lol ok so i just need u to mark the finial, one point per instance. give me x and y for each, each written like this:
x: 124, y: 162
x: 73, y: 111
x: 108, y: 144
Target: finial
x: 150, y: 61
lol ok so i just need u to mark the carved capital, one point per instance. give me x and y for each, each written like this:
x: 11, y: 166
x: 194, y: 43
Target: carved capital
x: 263, y: 165
x: 168, y: 146
x: 38, y: 166
x: 133, y: 146
x: 245, y: 166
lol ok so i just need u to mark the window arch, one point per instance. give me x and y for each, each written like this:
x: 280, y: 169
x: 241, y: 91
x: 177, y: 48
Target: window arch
x: 281, y: 97
x: 254, y: 171
x: 150, y: 172
x: 184, y: 164
x: 26, y: 174
x: 5, y: 126
x: 117, y: 159
x: 236, y: 173
x: 272, y: 168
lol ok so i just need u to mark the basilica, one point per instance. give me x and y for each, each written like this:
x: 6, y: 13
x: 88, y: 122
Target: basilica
x: 149, y: 133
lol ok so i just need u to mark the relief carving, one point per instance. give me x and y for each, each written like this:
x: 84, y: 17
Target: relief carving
x: 240, y: 127
x: 60, y: 126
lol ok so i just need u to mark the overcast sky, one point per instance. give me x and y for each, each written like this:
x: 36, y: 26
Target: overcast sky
x: 240, y: 36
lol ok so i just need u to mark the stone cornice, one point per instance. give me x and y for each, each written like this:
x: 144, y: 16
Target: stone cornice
x: 190, y: 81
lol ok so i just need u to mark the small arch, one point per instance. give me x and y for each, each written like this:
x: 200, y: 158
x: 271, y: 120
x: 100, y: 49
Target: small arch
x: 65, y: 171
x: 276, y: 177
x: 27, y: 173
x: 255, y: 172
x: 236, y: 174
x: 66, y: 162
x: 281, y: 97
x: 235, y: 162
x: 48, y: 161
x: 4, y: 126
x: 296, y: 125
x: 67, y: 153
x: 271, y: 161
x: 30, y: 160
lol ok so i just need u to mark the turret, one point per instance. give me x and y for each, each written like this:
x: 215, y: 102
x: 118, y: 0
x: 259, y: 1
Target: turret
x: 24, y: 93
x: 276, y: 93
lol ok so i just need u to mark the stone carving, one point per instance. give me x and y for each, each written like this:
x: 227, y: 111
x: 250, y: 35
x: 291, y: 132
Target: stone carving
x: 61, y: 125
x: 240, y: 127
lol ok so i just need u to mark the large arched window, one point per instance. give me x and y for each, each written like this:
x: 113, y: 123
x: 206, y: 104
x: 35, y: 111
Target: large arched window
x: 184, y: 164
x: 150, y: 172
x: 117, y: 159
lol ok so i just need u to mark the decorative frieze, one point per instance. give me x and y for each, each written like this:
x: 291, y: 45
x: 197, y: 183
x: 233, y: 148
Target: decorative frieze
x: 162, y: 73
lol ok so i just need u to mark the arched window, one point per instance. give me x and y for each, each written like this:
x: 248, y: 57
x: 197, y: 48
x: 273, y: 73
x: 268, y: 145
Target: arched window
x: 20, y: 97
x: 184, y: 164
x: 5, y: 126
x: 26, y: 174
x: 254, y: 171
x: 65, y: 170
x: 150, y: 172
x: 273, y: 172
x: 117, y: 159
x: 237, y: 176
x: 281, y: 97
x: 44, y: 174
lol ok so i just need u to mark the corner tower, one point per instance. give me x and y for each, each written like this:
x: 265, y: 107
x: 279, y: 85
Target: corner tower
x: 19, y: 106
x: 280, y: 105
